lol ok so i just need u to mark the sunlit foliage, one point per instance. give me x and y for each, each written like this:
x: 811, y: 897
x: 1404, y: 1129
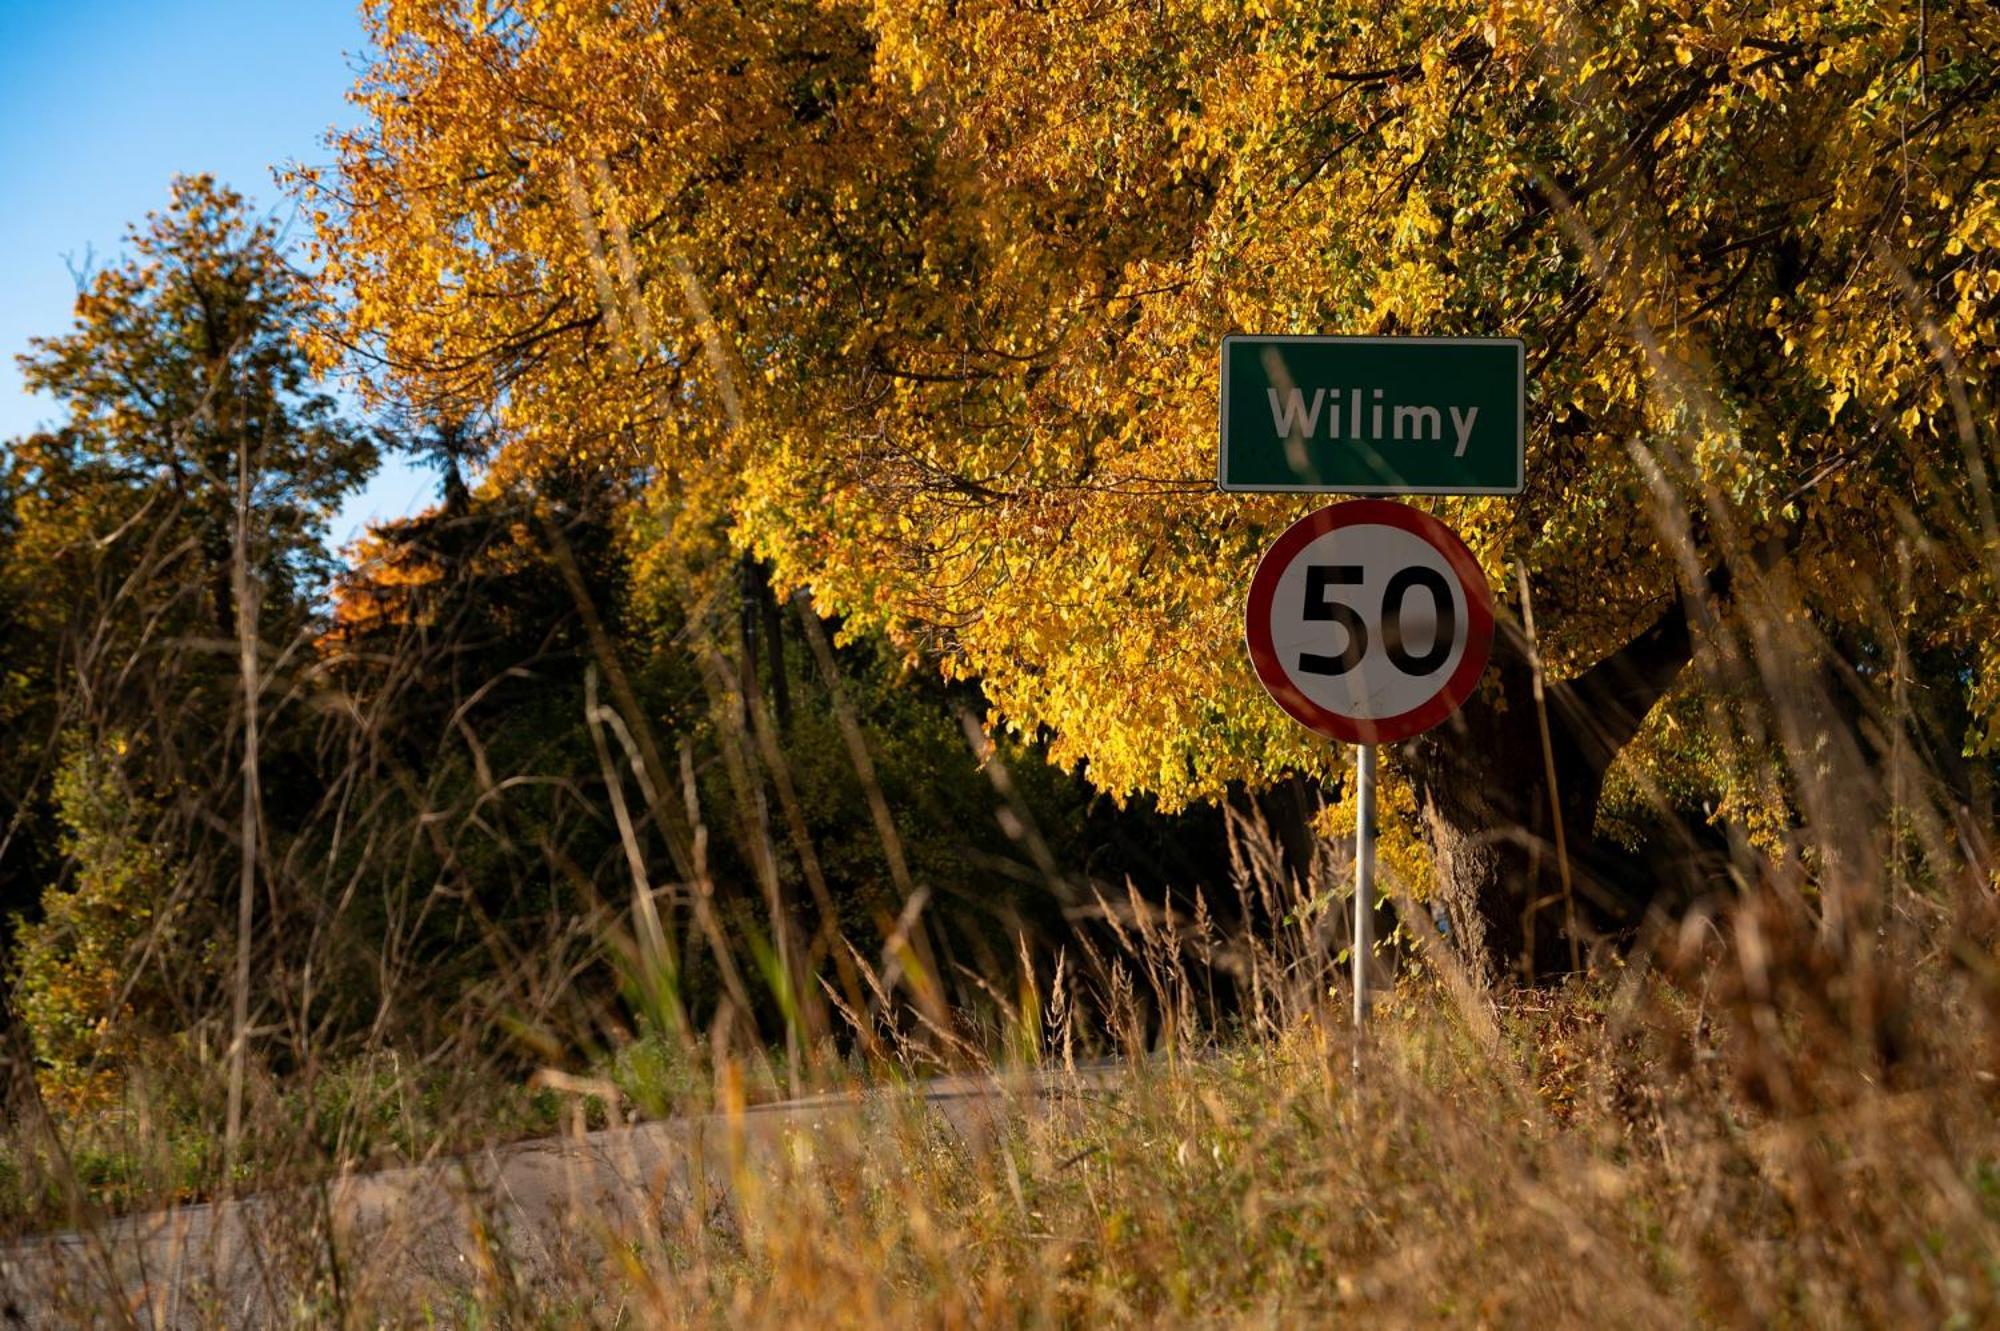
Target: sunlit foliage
x: 968, y: 267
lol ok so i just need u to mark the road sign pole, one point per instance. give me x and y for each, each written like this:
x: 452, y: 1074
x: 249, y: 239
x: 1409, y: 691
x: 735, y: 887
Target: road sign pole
x: 1364, y: 879
x: 1334, y: 602
x: 1368, y: 622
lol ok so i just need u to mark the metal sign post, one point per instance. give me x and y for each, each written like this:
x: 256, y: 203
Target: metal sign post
x: 1364, y: 880
x: 1368, y: 622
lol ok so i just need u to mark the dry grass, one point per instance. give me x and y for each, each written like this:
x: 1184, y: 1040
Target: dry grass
x: 1659, y: 1146
x: 1779, y: 1110
x: 1615, y: 1161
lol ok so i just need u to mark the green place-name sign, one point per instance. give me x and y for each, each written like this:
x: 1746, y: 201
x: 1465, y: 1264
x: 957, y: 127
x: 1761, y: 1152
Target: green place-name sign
x: 1373, y: 415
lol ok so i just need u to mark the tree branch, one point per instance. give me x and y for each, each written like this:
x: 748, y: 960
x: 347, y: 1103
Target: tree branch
x: 1601, y: 709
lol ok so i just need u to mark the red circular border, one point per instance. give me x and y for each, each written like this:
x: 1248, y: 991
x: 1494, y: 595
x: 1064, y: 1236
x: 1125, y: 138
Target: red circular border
x: 1382, y: 513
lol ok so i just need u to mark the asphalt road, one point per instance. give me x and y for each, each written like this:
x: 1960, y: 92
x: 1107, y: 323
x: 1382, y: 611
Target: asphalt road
x: 432, y: 1233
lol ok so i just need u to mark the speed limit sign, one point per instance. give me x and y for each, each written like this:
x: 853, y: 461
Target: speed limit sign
x: 1369, y: 621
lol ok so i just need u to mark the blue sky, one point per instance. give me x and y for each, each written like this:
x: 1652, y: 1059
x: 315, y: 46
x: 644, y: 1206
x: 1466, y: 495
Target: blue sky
x: 102, y: 102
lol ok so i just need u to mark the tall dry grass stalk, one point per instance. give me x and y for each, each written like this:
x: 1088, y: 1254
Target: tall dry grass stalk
x: 1777, y: 1107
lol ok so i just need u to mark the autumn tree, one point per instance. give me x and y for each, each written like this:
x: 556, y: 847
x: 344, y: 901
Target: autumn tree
x: 184, y: 356
x: 922, y: 301
x: 162, y: 558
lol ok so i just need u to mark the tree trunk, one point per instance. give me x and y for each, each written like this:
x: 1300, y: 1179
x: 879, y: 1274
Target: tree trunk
x: 759, y: 607
x: 244, y: 605
x: 1514, y: 861
x: 1288, y: 808
x: 774, y: 638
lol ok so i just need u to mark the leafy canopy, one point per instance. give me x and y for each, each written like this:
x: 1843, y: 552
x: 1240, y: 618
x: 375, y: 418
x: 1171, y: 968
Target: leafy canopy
x: 183, y: 356
x: 922, y: 301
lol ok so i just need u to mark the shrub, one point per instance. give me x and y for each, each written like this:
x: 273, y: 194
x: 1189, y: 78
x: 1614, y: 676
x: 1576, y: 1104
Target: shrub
x: 77, y: 967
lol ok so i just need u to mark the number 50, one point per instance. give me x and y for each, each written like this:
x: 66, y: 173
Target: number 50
x: 1320, y: 606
